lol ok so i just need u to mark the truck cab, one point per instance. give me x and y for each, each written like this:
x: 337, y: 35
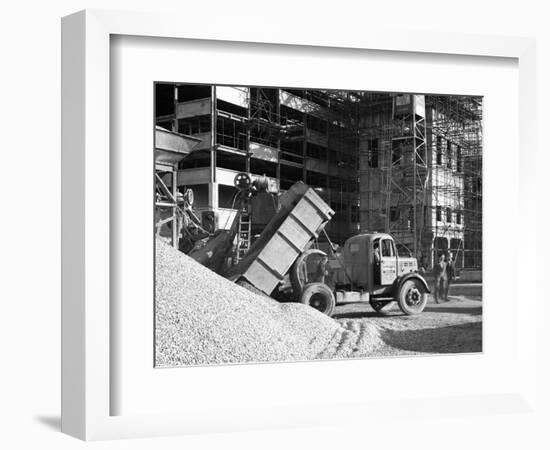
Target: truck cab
x: 372, y: 265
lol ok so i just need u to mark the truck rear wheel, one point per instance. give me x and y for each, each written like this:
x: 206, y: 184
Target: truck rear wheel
x: 319, y: 296
x: 411, y: 297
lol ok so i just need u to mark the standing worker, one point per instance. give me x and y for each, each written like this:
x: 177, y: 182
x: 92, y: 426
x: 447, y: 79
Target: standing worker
x: 322, y: 271
x: 440, y: 275
x: 377, y: 261
x: 450, y: 269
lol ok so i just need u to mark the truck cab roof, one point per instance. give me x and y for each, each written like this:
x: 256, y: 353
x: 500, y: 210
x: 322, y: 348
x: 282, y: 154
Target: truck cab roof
x: 371, y: 236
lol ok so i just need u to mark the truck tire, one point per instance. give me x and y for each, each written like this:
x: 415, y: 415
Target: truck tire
x: 383, y: 306
x: 411, y: 297
x: 320, y: 297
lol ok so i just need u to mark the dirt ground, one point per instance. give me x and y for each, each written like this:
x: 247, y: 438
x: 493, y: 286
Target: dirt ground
x: 451, y: 327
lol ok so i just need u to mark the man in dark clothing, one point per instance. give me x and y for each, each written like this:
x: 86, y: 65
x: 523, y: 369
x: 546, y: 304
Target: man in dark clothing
x: 440, y: 275
x: 322, y: 270
x: 450, y: 269
x: 377, y: 261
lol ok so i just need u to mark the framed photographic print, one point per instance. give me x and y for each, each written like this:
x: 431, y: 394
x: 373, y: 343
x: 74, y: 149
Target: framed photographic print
x: 244, y: 211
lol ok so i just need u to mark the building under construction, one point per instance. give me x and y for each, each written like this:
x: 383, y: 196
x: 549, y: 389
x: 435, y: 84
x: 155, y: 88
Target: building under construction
x: 421, y: 173
x: 406, y: 164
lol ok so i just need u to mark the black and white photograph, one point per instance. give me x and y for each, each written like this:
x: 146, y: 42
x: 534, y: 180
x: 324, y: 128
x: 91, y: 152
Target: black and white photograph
x: 312, y: 224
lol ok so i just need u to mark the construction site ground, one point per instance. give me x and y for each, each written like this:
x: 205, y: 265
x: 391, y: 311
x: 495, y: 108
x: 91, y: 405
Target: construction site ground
x: 448, y: 327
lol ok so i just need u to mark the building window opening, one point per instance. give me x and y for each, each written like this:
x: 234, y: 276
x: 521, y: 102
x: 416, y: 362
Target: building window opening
x: 231, y: 133
x: 316, y: 151
x: 395, y: 213
x: 449, y: 155
x: 197, y: 159
x: 372, y: 153
x: 164, y: 99
x: 316, y: 179
x: 439, y: 151
x: 289, y: 176
x: 195, y: 125
x: 261, y: 167
x: 230, y: 161
x: 189, y: 92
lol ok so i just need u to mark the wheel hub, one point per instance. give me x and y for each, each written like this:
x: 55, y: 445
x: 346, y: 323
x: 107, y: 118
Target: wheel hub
x: 413, y: 296
x: 316, y: 302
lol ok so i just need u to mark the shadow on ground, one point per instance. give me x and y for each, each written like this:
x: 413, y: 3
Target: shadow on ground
x: 52, y: 422
x: 475, y: 311
x: 361, y: 314
x: 463, y: 338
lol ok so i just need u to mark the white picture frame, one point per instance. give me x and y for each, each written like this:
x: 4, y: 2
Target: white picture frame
x: 87, y: 386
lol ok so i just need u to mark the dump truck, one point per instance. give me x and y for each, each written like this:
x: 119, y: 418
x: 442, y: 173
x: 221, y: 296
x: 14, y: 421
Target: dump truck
x: 368, y: 270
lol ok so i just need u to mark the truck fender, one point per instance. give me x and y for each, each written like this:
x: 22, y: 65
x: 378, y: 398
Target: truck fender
x: 297, y: 285
x: 413, y: 275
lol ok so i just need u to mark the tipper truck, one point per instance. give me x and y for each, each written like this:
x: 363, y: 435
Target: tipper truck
x: 368, y: 269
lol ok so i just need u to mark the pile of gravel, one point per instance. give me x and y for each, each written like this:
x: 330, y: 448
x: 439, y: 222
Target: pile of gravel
x: 202, y: 318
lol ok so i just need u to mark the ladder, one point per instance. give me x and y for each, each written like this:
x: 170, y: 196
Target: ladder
x: 244, y: 232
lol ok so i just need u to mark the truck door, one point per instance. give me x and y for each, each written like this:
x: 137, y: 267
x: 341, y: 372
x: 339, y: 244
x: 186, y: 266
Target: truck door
x: 388, y: 266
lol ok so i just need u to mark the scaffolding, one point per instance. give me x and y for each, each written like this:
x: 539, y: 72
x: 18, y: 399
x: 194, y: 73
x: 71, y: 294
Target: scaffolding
x: 315, y: 134
x: 421, y: 174
x: 457, y: 121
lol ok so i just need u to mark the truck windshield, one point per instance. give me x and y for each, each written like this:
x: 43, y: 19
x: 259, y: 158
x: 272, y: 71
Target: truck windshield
x: 403, y: 251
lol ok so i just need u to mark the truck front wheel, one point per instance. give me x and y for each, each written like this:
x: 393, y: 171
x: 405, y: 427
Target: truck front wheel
x: 411, y: 297
x: 319, y: 296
